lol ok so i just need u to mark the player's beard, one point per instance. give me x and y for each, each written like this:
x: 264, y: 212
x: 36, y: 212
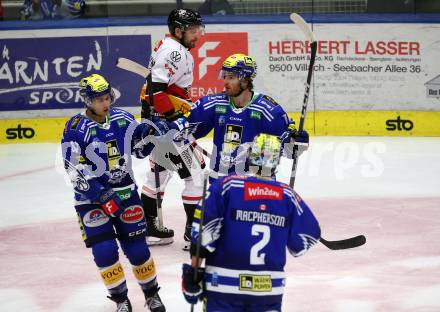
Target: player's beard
x: 189, y: 44
x: 234, y: 92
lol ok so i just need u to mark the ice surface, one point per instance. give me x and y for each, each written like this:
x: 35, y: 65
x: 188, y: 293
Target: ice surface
x: 385, y: 188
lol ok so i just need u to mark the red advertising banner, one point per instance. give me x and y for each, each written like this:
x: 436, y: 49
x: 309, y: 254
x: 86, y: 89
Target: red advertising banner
x: 211, y: 50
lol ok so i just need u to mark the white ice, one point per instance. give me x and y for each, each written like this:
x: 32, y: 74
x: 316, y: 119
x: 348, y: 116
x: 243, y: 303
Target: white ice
x: 385, y: 188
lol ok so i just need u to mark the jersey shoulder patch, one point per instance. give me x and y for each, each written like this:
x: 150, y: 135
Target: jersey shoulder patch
x: 78, y: 125
x: 216, y: 96
x: 270, y: 100
x: 213, y: 100
x: 234, y: 177
x: 74, y: 123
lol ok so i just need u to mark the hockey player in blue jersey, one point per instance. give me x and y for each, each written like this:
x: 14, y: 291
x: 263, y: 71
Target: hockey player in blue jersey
x: 97, y: 147
x: 237, y: 115
x: 248, y: 221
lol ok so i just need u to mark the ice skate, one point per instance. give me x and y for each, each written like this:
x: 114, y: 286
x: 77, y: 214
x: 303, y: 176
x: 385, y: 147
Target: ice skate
x: 187, y: 238
x: 156, y: 235
x: 123, y: 304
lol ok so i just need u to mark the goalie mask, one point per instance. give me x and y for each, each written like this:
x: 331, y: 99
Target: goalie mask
x: 93, y: 86
x: 264, y: 155
x: 241, y: 65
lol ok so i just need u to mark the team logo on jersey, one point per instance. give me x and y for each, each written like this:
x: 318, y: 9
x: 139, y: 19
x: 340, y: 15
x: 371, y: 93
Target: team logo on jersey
x: 93, y: 132
x: 254, y: 191
x: 95, y: 218
x: 119, y: 170
x: 232, y: 139
x: 257, y: 283
x: 121, y: 123
x: 132, y: 214
x: 220, y: 109
x: 263, y: 207
x: 175, y: 56
x: 255, y: 115
x: 113, y: 153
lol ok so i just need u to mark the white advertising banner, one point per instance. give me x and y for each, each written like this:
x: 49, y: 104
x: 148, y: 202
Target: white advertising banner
x: 359, y: 66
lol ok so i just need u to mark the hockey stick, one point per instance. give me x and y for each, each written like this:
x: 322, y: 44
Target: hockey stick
x: 301, y: 23
x: 199, y: 238
x: 156, y: 165
x: 125, y: 63
x: 202, y: 150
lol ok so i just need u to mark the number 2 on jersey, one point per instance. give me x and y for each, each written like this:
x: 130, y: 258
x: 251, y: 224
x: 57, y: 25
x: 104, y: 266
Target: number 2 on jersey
x: 256, y: 259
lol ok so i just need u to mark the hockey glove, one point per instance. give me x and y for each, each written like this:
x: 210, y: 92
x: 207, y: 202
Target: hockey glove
x: 162, y: 127
x: 146, y: 129
x: 192, y: 290
x: 111, y: 203
x: 301, y: 138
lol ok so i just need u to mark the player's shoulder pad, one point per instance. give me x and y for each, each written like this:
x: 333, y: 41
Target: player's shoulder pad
x: 212, y: 100
x: 233, y: 177
x: 268, y: 100
x: 215, y: 97
x: 75, y: 123
x: 297, y: 197
x: 284, y: 185
x: 117, y: 113
x: 79, y: 126
x: 173, y: 51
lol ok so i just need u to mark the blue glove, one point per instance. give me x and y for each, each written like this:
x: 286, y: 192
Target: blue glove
x: 143, y: 130
x: 111, y: 203
x: 192, y: 290
x: 162, y: 127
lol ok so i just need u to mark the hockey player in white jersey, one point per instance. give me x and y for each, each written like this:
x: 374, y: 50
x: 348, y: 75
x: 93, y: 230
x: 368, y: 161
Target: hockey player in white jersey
x: 97, y: 146
x: 171, y: 66
x: 248, y: 221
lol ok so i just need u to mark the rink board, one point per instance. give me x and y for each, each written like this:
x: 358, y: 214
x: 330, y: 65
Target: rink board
x: 322, y: 123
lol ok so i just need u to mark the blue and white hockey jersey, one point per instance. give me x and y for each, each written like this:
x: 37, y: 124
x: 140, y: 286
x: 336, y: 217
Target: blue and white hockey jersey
x: 235, y: 128
x: 247, y: 225
x: 98, y: 156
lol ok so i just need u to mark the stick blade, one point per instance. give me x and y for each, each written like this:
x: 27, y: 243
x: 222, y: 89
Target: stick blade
x: 301, y: 23
x: 127, y: 64
x: 348, y: 243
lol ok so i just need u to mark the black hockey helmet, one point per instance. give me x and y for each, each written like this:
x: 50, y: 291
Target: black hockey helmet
x: 183, y: 18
